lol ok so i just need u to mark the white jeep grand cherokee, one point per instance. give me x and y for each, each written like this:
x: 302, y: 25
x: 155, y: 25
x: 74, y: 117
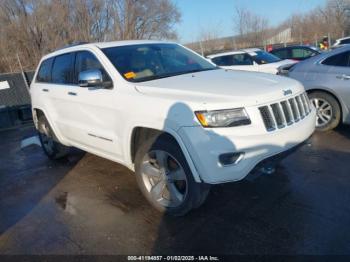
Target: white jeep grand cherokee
x: 165, y: 112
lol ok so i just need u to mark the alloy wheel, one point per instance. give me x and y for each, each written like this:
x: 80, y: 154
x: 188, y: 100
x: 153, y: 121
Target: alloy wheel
x: 324, y: 111
x: 164, y: 178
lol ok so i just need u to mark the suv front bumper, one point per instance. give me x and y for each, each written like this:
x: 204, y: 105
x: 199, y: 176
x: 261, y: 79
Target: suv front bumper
x: 206, y: 145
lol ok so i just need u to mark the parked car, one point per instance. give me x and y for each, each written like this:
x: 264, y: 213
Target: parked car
x: 342, y: 41
x: 252, y: 59
x: 327, y: 80
x: 297, y: 53
x: 177, y: 120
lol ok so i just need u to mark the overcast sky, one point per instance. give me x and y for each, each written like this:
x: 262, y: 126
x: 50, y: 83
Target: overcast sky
x: 218, y: 14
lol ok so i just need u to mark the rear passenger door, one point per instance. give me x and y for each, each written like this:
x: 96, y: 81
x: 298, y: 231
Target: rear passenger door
x: 61, y: 80
x: 40, y: 89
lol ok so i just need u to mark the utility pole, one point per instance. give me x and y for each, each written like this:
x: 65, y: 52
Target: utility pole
x: 23, y: 74
x: 200, y: 45
x: 234, y: 43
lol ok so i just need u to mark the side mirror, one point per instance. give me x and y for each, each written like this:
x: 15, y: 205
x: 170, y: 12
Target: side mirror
x: 90, y: 78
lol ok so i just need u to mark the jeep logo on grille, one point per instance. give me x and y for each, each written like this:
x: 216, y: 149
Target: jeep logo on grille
x: 287, y: 92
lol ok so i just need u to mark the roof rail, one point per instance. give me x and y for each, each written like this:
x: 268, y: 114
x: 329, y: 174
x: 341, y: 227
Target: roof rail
x: 72, y: 44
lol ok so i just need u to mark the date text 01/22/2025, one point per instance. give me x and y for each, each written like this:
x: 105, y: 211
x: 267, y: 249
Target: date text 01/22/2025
x: 173, y: 258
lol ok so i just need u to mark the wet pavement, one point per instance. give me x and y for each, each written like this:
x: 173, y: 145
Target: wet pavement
x: 89, y: 205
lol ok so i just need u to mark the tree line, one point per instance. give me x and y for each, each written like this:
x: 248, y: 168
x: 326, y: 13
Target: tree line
x: 32, y: 28
x: 253, y: 30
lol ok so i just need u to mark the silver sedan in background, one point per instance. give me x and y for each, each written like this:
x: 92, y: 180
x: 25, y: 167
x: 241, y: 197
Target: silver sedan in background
x: 326, y: 78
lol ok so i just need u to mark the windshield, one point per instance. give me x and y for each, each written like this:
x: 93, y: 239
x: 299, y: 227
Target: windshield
x: 138, y: 63
x: 262, y: 57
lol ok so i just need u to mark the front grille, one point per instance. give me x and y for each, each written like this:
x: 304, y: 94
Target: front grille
x: 295, y: 110
x: 285, y: 112
x: 267, y: 118
x: 300, y: 107
x: 277, y: 112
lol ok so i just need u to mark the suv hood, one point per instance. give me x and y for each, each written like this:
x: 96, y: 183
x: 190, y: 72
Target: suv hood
x: 218, y: 86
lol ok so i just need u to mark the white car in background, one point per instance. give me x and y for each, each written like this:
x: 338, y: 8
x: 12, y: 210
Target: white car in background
x: 252, y: 59
x: 342, y: 41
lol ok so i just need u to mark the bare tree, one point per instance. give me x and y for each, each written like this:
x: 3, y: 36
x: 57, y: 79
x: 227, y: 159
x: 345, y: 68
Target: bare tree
x: 208, y: 39
x: 331, y: 19
x: 336, y: 16
x: 250, y: 27
x: 35, y: 27
x: 144, y: 19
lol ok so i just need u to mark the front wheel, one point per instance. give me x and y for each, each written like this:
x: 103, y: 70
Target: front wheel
x: 165, y: 178
x: 328, y: 111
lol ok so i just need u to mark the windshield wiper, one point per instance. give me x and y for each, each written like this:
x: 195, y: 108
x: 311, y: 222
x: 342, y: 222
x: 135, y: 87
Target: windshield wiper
x: 155, y: 77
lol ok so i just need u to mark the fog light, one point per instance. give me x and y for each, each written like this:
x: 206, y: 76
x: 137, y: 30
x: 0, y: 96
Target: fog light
x: 230, y: 158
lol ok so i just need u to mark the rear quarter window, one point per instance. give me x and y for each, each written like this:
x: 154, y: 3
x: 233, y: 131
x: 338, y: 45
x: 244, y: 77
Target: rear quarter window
x: 44, y: 73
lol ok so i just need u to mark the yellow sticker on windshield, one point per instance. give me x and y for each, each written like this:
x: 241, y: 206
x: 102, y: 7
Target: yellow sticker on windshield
x: 130, y: 75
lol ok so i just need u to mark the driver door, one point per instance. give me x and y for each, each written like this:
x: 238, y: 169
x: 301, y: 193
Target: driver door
x: 90, y: 113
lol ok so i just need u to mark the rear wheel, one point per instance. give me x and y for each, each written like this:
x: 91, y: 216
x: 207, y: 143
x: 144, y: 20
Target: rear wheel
x: 328, y: 112
x: 165, y: 178
x: 52, y: 148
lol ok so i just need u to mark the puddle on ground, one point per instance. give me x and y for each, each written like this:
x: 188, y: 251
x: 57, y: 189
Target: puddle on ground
x: 34, y: 140
x: 65, y: 202
x: 61, y: 200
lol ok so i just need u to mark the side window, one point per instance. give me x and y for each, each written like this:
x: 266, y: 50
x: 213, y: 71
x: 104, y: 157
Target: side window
x: 342, y: 59
x: 87, y: 61
x: 233, y: 60
x: 301, y: 53
x: 44, y: 74
x: 298, y: 53
x: 345, y: 41
x: 62, y: 69
x: 242, y: 59
x: 283, y: 54
x: 226, y: 60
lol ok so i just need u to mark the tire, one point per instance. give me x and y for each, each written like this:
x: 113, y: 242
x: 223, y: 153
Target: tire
x: 49, y: 142
x: 328, y: 111
x: 165, y: 179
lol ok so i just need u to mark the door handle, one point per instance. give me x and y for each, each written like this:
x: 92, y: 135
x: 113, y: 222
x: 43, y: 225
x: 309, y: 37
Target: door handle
x: 45, y: 90
x: 344, y: 77
x: 72, y: 93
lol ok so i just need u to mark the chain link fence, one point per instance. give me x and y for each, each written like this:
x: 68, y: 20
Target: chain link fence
x: 15, y: 105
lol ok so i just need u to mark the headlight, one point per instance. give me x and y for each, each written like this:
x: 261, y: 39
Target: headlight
x: 223, y: 118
